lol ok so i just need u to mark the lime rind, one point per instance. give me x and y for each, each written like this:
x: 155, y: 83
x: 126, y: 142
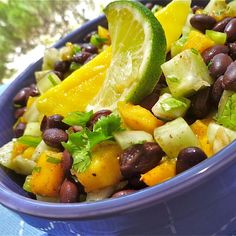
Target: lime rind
x: 138, y: 50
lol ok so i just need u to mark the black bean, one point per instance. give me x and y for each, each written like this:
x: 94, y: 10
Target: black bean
x: 19, y: 112
x: 229, y: 80
x: 81, y: 57
x: 22, y: 96
x: 33, y: 90
x: 209, y: 53
x: 62, y: 66
x: 219, y: 65
x: 59, y: 74
x: 200, y: 104
x: 149, y: 101
x: 136, y: 183
x: 149, y: 5
x: 54, y: 121
x: 139, y: 159
x: 19, y: 129
x: 232, y: 50
x: 88, y: 36
x: 217, y: 90
x: 67, y: 162
x: 189, y: 157
x: 230, y: 30
x: 87, y: 47
x: 96, y: 116
x: 202, y: 22
x: 123, y: 193
x: 195, y: 8
x: 220, y: 26
x: 53, y: 137
x: 69, y: 192
x: 90, y: 58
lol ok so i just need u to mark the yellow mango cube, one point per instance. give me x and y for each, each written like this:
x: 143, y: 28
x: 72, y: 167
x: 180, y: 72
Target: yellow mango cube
x: 160, y: 173
x: 78, y: 89
x: 48, y: 175
x: 104, y: 169
x: 198, y: 41
x: 200, y: 130
x: 138, y: 118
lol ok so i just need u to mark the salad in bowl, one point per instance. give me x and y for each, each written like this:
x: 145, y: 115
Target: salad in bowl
x: 131, y: 106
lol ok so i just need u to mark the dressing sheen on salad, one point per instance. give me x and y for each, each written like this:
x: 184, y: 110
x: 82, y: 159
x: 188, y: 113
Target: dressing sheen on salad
x: 129, y: 107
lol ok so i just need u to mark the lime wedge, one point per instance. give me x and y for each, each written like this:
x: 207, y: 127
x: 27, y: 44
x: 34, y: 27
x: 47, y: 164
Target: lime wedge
x: 138, y: 50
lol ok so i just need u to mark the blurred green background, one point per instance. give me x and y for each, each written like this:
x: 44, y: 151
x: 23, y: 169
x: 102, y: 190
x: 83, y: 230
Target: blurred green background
x: 28, y: 26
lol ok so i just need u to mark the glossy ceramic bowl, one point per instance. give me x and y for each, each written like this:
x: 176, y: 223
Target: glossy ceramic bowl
x: 200, y: 201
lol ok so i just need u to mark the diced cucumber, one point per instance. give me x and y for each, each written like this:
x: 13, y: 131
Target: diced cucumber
x: 226, y: 115
x: 51, y: 56
x: 170, y: 108
x: 186, y: 73
x: 215, y: 6
x: 42, y: 146
x: 130, y: 137
x: 217, y: 37
x: 174, y: 136
x: 33, y: 129
x: 219, y: 136
x: 6, y: 154
x: 177, y: 46
x: 32, y: 114
x: 40, y: 74
x: 23, y: 166
x: 100, y: 194
x: 27, y: 183
x: 48, y: 81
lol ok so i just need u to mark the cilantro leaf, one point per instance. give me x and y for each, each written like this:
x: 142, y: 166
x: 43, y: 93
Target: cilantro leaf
x: 108, y: 125
x: 80, y: 144
x: 78, y: 118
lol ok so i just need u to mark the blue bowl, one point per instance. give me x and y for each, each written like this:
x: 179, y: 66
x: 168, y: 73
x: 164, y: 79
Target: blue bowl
x: 199, y: 201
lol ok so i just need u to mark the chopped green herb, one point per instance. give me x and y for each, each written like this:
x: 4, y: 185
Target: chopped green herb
x: 78, y: 118
x: 80, y: 144
x: 194, y: 51
x: 51, y: 79
x: 77, y: 48
x: 74, y: 66
x: 97, y: 41
x: 53, y: 160
x: 37, y: 169
x: 29, y: 140
x: 209, y: 64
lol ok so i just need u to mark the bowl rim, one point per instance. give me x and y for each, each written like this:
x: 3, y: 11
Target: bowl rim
x: 142, y: 199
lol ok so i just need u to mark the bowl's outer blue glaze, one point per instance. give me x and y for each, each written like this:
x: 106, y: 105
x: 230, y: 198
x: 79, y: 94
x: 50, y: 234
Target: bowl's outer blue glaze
x: 199, y: 201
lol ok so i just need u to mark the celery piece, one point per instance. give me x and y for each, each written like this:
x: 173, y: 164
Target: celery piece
x: 174, y: 136
x: 169, y: 107
x: 33, y: 129
x: 226, y: 115
x: 40, y: 74
x: 27, y: 184
x: 48, y: 81
x: 186, y: 73
x: 217, y: 37
x: 130, y: 137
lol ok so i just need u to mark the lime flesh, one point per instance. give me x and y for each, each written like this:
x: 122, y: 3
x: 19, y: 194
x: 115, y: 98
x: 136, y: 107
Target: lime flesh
x: 138, y: 50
